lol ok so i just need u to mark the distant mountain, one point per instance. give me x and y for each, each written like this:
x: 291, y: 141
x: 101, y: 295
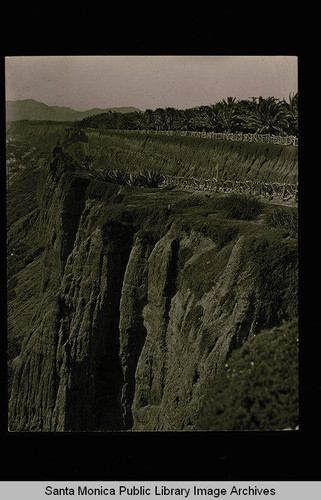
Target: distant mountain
x: 30, y: 109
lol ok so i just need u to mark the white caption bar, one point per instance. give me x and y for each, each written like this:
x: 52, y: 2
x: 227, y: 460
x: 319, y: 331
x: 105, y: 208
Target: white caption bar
x: 169, y: 490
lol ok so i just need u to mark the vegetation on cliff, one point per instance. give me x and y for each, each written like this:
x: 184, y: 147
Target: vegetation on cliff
x: 258, y: 387
x: 170, y: 155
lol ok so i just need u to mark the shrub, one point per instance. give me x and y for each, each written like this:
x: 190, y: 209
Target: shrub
x: 87, y: 162
x: 133, y: 179
x: 274, y: 264
x: 117, y: 176
x: 114, y: 176
x: 257, y: 389
x: 146, y: 178
x: 149, y: 178
x: 239, y: 206
x: 283, y: 218
x: 194, y: 200
x: 221, y: 233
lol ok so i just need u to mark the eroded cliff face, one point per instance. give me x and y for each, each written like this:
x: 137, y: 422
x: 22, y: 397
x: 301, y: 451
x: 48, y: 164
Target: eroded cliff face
x: 188, y: 337
x: 133, y: 319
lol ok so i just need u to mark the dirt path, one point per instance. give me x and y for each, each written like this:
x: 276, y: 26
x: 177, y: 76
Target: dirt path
x: 289, y: 203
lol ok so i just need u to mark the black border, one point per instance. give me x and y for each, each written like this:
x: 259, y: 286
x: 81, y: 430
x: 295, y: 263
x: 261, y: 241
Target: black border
x: 278, y: 456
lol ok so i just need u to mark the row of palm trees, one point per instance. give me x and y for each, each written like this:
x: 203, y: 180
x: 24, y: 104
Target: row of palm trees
x: 254, y: 115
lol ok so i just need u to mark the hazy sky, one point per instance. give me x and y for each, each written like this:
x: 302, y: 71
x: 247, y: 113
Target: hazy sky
x: 85, y: 82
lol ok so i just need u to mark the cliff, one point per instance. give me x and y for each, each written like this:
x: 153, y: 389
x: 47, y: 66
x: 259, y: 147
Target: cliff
x: 124, y: 303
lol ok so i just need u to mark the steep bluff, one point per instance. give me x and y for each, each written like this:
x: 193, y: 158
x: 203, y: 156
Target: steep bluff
x: 137, y: 306
x: 202, y: 158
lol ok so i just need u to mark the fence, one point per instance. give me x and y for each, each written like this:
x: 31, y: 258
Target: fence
x: 288, y: 140
x: 282, y: 191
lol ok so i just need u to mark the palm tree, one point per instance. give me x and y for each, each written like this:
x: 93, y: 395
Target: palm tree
x: 183, y: 118
x: 268, y: 116
x: 170, y: 116
x: 160, y: 119
x: 292, y: 112
x: 204, y: 118
x: 138, y: 120
x: 150, y: 119
x: 228, y: 115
